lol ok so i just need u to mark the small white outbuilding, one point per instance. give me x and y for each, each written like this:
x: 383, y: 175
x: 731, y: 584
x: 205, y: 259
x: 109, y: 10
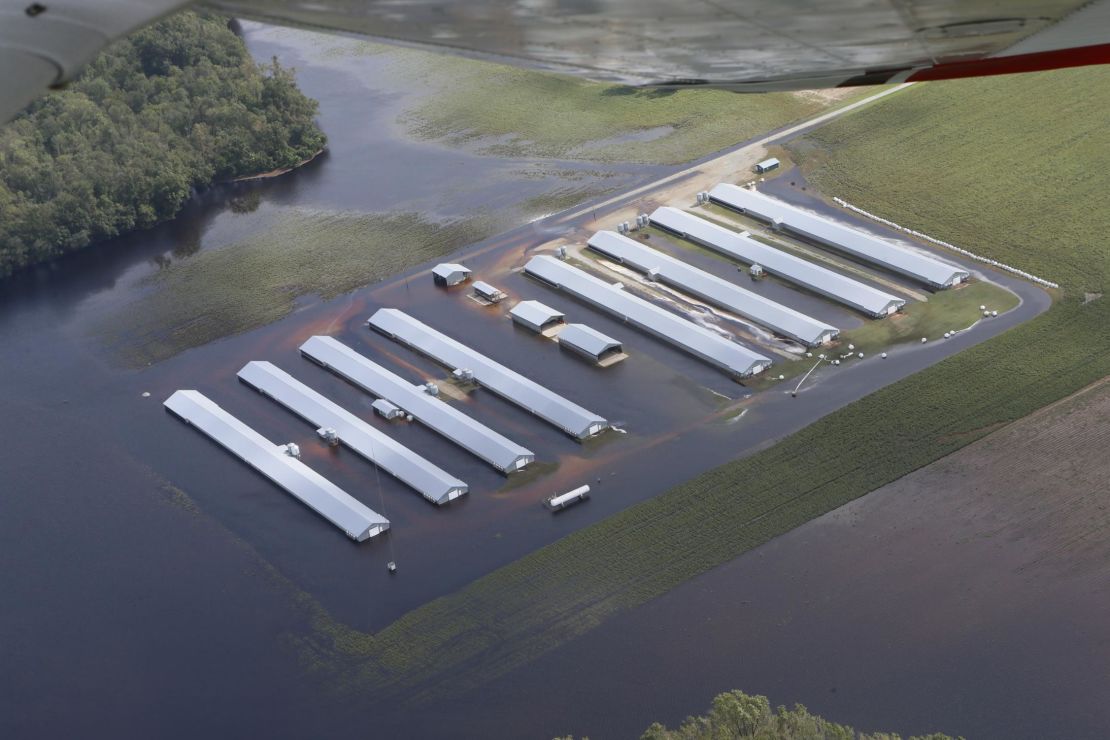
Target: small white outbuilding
x: 591, y: 344
x: 487, y: 292
x: 538, y: 317
x: 450, y: 273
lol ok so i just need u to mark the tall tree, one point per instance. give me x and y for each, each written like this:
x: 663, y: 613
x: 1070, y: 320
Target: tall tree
x: 171, y: 109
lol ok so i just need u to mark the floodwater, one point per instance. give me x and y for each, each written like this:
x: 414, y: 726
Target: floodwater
x: 134, y: 610
x: 968, y: 598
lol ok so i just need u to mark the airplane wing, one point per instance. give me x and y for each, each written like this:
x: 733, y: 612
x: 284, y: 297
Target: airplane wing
x: 44, y: 44
x: 741, y: 45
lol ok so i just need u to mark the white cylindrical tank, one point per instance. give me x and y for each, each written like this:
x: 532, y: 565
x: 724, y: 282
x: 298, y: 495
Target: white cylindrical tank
x: 570, y: 497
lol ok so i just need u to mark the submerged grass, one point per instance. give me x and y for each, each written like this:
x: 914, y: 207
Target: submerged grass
x: 522, y: 610
x: 224, y: 291
x: 506, y: 111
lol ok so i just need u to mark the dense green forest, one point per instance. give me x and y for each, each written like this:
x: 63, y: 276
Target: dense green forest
x: 175, y: 107
x: 736, y: 716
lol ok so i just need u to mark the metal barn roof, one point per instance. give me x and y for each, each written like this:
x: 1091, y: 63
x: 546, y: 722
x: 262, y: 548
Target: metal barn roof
x: 667, y: 269
x: 322, y: 496
x: 431, y: 482
x: 587, y: 340
x: 386, y: 409
x: 857, y: 243
x: 483, y: 442
x: 821, y: 280
x: 487, y: 291
x: 698, y: 341
x: 535, y: 314
x: 444, y: 269
x: 544, y: 403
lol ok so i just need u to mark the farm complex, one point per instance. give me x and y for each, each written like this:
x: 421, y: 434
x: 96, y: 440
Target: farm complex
x: 763, y: 292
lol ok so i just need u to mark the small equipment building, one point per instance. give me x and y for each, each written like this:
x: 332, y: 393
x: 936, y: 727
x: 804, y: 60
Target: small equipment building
x: 591, y: 344
x: 538, y: 317
x: 767, y: 165
x: 450, y: 273
x: 487, y: 292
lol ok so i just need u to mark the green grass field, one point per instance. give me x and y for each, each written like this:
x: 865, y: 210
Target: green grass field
x: 946, y: 310
x: 941, y: 139
x: 1019, y: 174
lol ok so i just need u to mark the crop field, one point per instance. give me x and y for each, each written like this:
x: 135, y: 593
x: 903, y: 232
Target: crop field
x: 1039, y: 486
x: 520, y: 611
x: 1022, y: 177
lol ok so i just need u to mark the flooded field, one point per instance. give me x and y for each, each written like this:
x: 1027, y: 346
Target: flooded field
x: 968, y: 598
x: 146, y: 504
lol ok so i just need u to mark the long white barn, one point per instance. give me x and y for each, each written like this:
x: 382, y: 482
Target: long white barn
x: 721, y: 293
x: 856, y: 243
x: 528, y: 394
x: 733, y: 358
x: 741, y: 246
x: 357, y: 520
x: 478, y: 439
x: 428, y: 480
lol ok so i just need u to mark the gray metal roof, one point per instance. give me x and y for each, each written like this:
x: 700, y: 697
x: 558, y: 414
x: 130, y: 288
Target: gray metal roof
x: 902, y: 260
x: 386, y: 409
x: 701, y: 342
x: 667, y: 269
x: 587, y: 339
x: 322, y: 496
x: 739, y: 246
x: 535, y: 313
x: 430, y: 481
x: 446, y: 269
x: 481, y: 287
x: 483, y: 442
x: 544, y: 403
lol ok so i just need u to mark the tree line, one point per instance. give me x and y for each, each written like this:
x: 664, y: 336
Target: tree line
x: 735, y: 715
x: 172, y: 109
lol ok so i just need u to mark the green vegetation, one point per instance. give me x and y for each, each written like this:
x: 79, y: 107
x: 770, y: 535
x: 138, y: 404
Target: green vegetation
x: 736, y: 716
x: 946, y: 310
x: 554, y: 594
x: 174, y: 107
x: 218, y: 292
x: 1012, y: 167
x: 507, y: 111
